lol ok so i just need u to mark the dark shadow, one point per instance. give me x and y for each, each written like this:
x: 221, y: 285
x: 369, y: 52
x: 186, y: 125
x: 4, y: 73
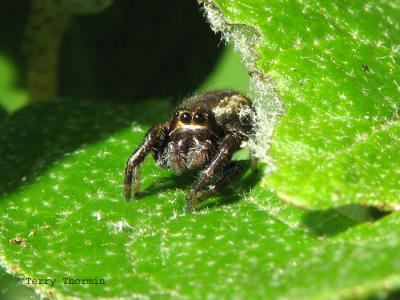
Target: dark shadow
x: 336, y: 220
x: 38, y: 135
x: 233, y: 192
x: 377, y: 214
x: 3, y: 114
x: 183, y: 181
x: 11, y: 289
x: 393, y: 295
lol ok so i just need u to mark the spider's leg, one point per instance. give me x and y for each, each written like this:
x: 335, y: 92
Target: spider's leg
x: 228, y: 174
x: 135, y: 160
x: 229, y: 145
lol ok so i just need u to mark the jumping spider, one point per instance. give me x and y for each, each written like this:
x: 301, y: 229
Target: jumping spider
x: 204, y: 132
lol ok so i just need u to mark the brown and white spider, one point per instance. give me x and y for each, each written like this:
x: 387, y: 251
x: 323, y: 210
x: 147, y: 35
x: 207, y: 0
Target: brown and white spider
x: 204, y: 132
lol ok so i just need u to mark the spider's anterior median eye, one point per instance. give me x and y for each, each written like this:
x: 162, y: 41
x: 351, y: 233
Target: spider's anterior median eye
x: 199, y: 118
x: 186, y: 117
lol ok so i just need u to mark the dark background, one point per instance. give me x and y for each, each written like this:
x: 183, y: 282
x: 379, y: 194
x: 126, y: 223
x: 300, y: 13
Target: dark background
x: 131, y: 51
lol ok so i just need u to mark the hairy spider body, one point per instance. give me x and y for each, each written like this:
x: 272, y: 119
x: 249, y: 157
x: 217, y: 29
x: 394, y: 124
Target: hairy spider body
x: 205, y: 131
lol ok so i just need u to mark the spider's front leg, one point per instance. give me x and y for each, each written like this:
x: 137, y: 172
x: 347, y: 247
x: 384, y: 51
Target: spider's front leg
x: 230, y: 144
x: 149, y: 143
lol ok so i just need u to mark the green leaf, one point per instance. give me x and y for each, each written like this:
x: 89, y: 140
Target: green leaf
x: 334, y: 66
x: 248, y: 252
x: 70, y: 221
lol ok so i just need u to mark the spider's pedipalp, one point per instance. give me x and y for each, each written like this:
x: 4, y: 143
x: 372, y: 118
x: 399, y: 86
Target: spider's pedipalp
x: 199, y: 153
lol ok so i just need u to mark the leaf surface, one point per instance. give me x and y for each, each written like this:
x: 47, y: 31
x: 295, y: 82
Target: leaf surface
x: 335, y: 68
x: 72, y: 223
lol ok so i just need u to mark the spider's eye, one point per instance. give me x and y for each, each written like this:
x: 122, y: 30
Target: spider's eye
x: 199, y: 118
x: 176, y: 114
x: 186, y: 117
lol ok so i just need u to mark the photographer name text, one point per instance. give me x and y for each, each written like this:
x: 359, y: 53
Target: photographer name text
x: 64, y: 280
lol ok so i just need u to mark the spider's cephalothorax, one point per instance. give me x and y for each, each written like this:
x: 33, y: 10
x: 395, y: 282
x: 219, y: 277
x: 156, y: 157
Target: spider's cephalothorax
x: 204, y: 132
